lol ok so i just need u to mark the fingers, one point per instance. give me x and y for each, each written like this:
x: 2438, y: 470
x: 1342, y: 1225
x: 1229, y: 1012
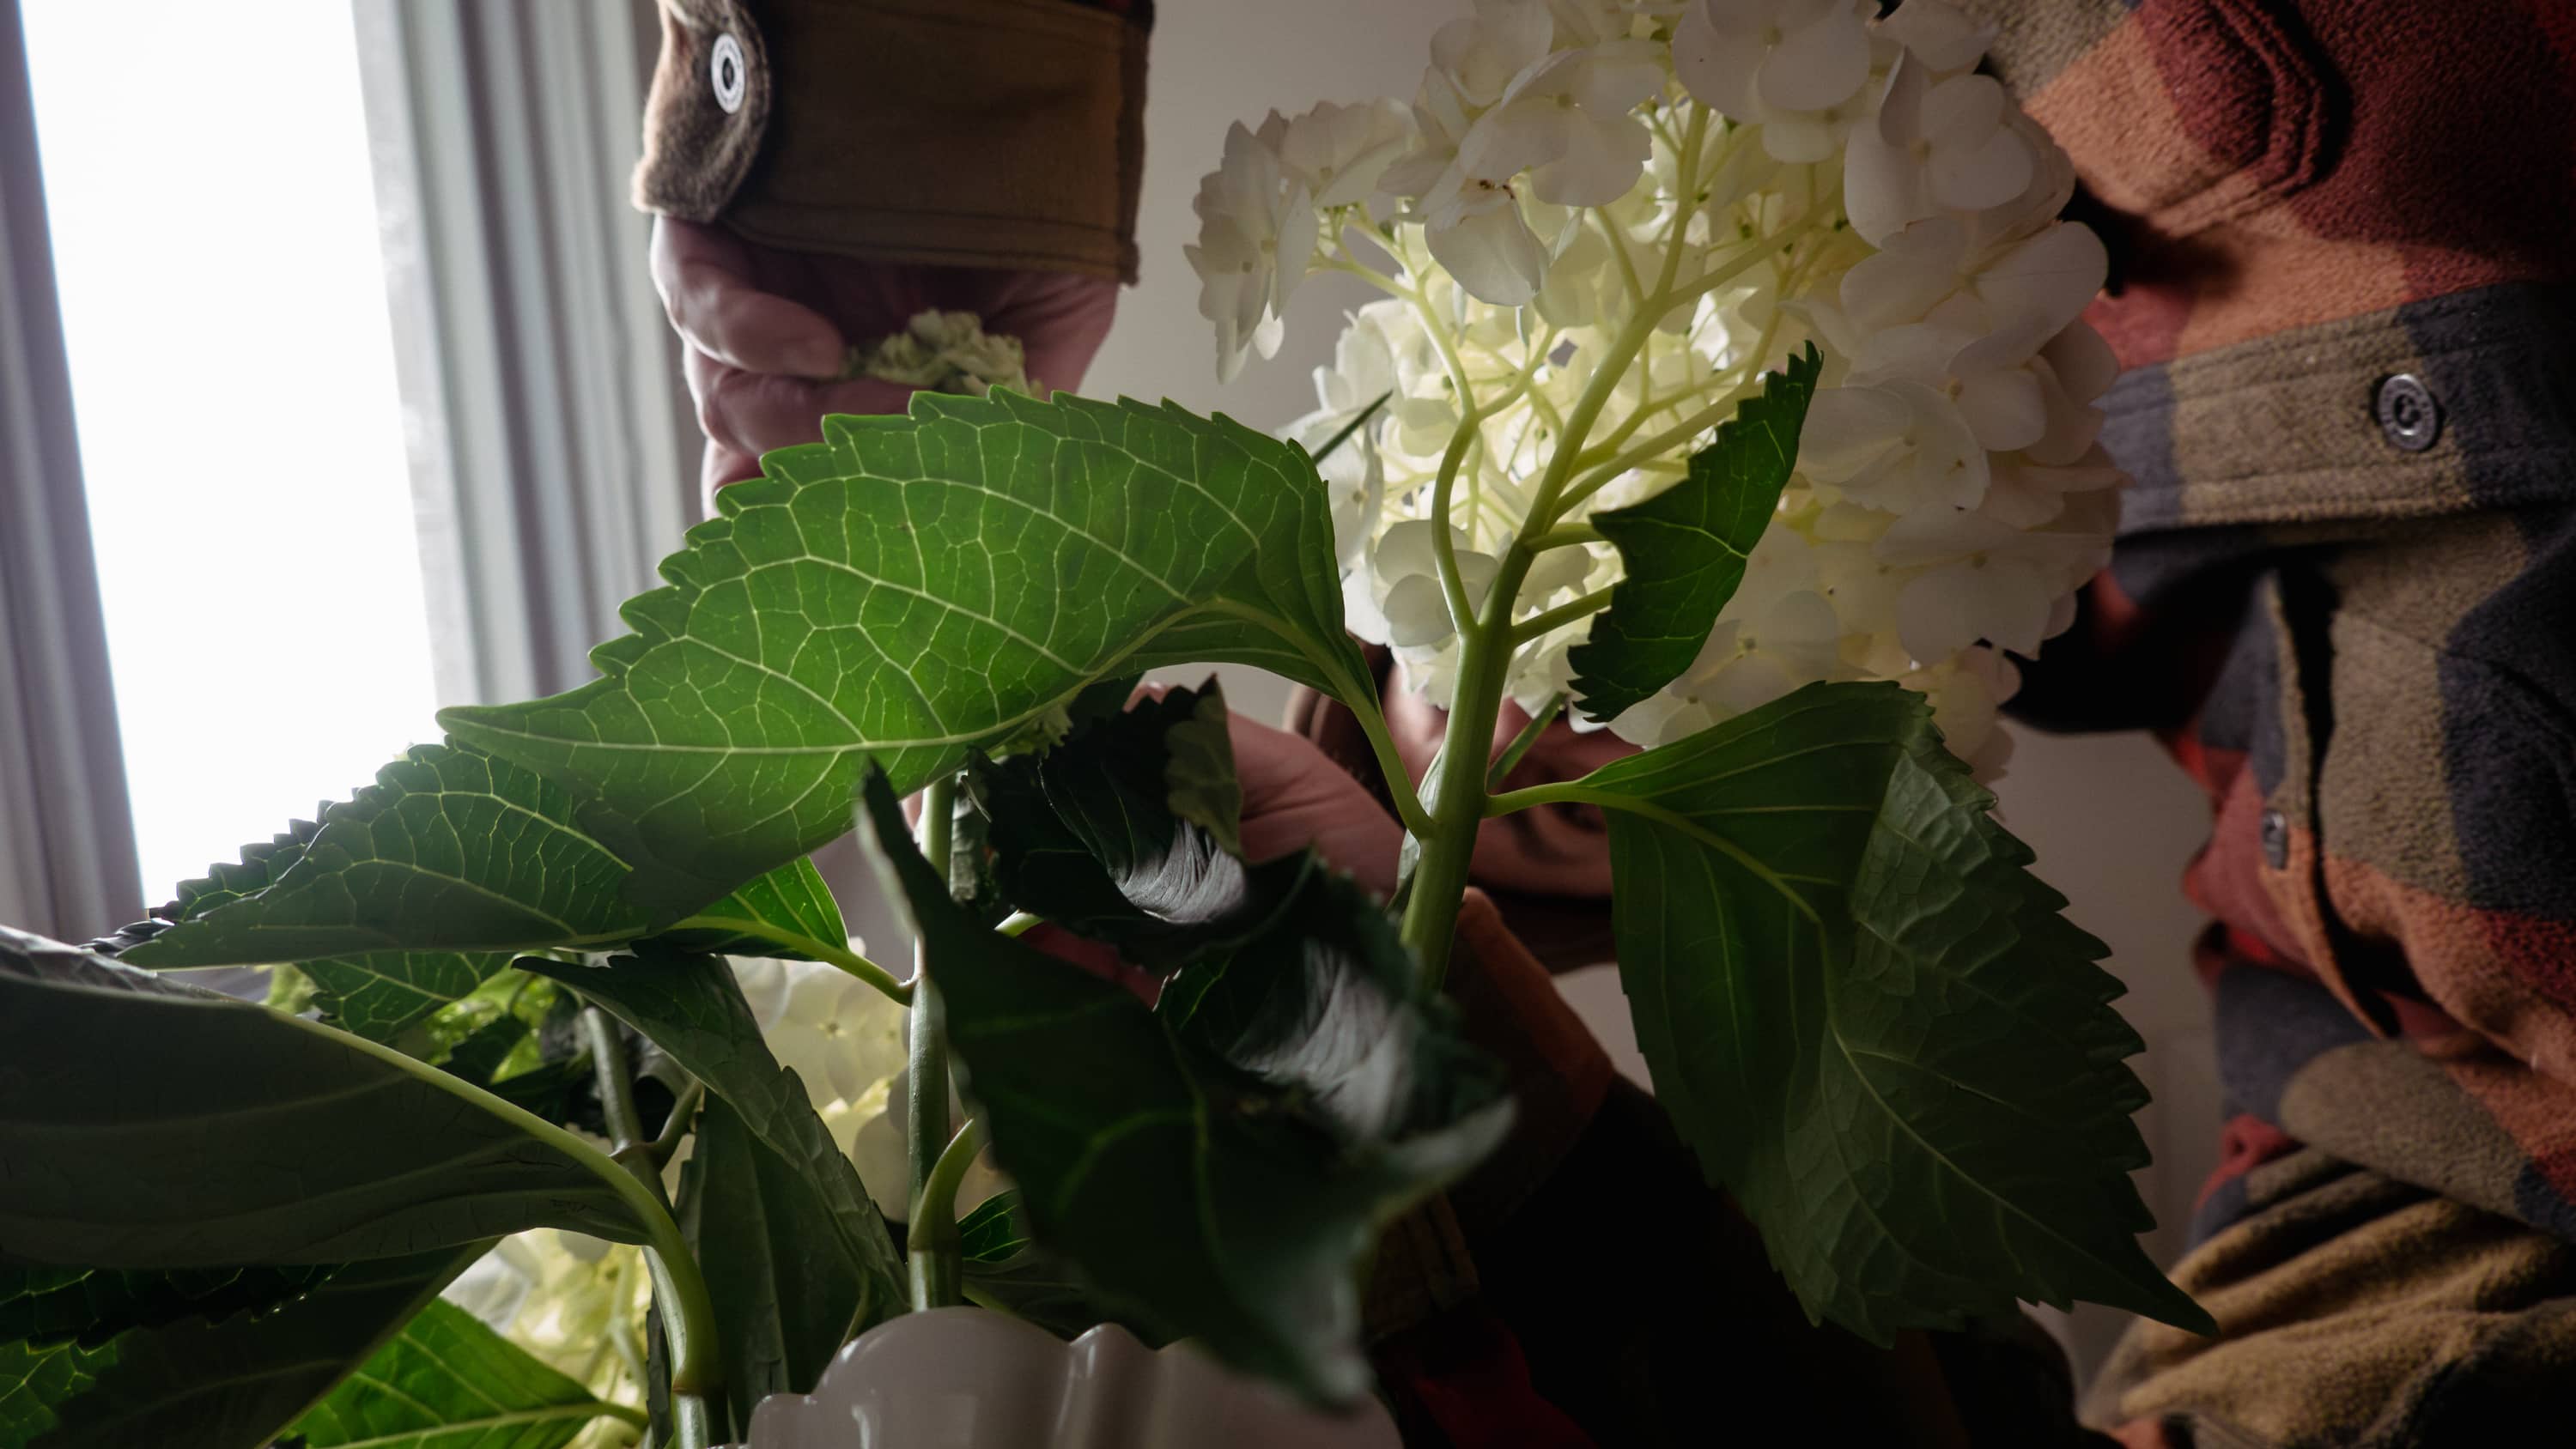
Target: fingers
x: 708, y: 286
x: 750, y: 413
x: 720, y: 466
x: 1294, y: 796
x: 1060, y: 319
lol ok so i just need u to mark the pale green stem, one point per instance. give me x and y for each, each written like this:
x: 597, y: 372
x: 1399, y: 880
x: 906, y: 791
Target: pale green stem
x: 1565, y: 613
x: 688, y: 1315
x: 926, y: 1113
x: 1522, y: 743
x: 800, y: 944
x: 933, y: 1253
x: 1444, y: 549
x: 1619, y: 249
x: 1565, y: 535
x: 1689, y: 176
x: 1018, y: 923
x: 1458, y: 786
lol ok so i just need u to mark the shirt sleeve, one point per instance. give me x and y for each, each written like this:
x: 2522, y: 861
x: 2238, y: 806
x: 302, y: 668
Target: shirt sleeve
x: 987, y: 133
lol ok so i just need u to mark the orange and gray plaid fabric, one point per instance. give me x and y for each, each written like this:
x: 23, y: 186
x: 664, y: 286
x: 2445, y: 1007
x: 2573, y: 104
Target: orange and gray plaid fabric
x: 2344, y: 238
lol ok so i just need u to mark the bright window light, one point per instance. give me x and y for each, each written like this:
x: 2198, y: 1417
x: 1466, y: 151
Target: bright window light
x: 232, y: 365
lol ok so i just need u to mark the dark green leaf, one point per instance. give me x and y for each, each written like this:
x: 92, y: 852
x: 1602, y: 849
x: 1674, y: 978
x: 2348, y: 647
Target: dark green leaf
x: 1870, y: 1020
x: 1198, y: 766
x: 1685, y: 548
x: 229, y: 1385
x: 379, y: 996
x: 1125, y: 833
x: 911, y: 588
x: 1230, y: 1201
x: 259, y: 867
x: 448, y: 1382
x: 50, y: 1305
x: 767, y: 918
x: 786, y: 1292
x: 149, y: 1124
x: 694, y: 1009
x: 450, y: 850
x: 1006, y: 1270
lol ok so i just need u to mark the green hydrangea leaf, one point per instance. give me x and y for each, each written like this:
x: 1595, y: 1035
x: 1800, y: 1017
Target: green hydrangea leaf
x: 1685, y: 548
x: 912, y: 588
x: 1006, y: 1270
x: 448, y: 1382
x: 1128, y: 832
x: 44, y: 1305
x: 693, y: 1008
x: 218, y: 1133
x: 234, y: 1384
x: 450, y: 851
x: 1873, y: 1023
x: 786, y: 1292
x: 1217, y: 1172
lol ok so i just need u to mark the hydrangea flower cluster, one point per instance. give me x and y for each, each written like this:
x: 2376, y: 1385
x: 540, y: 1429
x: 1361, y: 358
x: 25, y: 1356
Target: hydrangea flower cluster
x: 1597, y: 225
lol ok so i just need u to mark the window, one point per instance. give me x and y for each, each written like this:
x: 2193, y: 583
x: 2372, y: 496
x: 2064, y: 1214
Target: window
x: 242, y: 436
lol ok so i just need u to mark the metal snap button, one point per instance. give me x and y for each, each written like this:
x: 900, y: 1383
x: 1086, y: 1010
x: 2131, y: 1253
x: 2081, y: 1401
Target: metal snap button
x: 2276, y: 840
x: 2407, y: 413
x: 725, y: 71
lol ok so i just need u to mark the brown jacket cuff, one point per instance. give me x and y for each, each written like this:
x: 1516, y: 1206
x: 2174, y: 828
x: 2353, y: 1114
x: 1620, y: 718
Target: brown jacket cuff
x: 995, y: 133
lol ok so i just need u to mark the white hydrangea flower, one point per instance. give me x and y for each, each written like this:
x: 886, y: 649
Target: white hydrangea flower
x: 577, y: 1305
x: 1933, y: 147
x: 1795, y: 68
x: 1616, y: 216
x: 1337, y: 153
x: 1257, y: 231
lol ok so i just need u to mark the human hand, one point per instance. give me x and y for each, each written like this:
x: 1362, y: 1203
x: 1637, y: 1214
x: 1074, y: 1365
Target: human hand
x: 766, y: 332
x: 1293, y: 797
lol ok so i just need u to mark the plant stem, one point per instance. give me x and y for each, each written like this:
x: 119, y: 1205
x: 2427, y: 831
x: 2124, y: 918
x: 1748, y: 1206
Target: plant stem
x: 1565, y: 613
x: 684, y: 1109
x: 828, y: 952
x: 688, y: 1315
x: 1458, y: 785
x: 932, y: 1248
x: 926, y: 1113
x: 1522, y: 743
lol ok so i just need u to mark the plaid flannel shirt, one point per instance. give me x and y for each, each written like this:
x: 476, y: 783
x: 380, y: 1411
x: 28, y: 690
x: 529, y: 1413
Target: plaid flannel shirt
x: 2345, y: 591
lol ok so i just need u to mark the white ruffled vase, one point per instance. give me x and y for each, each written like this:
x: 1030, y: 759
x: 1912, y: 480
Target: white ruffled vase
x: 970, y: 1378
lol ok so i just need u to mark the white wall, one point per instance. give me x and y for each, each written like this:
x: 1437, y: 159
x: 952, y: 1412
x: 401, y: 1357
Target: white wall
x: 2113, y: 822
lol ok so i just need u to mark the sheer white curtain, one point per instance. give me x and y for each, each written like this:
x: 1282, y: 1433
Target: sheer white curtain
x: 67, y: 865
x: 553, y: 449
x: 550, y: 443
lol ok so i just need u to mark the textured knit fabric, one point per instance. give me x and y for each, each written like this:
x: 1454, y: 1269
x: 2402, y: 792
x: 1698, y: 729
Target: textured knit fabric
x: 987, y: 133
x: 2364, y: 649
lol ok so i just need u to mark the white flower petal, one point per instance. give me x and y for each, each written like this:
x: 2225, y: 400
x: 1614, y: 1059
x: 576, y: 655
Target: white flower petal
x: 1716, y: 69
x: 2085, y: 365
x: 1847, y: 428
x: 1491, y: 252
x: 1816, y: 65
x: 1988, y: 174
x: 1417, y: 613
x: 2006, y: 408
x: 1945, y: 37
x: 1797, y: 140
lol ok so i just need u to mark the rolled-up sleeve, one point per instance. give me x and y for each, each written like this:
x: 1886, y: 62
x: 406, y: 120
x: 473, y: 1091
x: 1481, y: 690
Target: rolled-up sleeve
x: 998, y: 133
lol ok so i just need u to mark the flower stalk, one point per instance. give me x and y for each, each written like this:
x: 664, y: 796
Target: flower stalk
x: 933, y: 1268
